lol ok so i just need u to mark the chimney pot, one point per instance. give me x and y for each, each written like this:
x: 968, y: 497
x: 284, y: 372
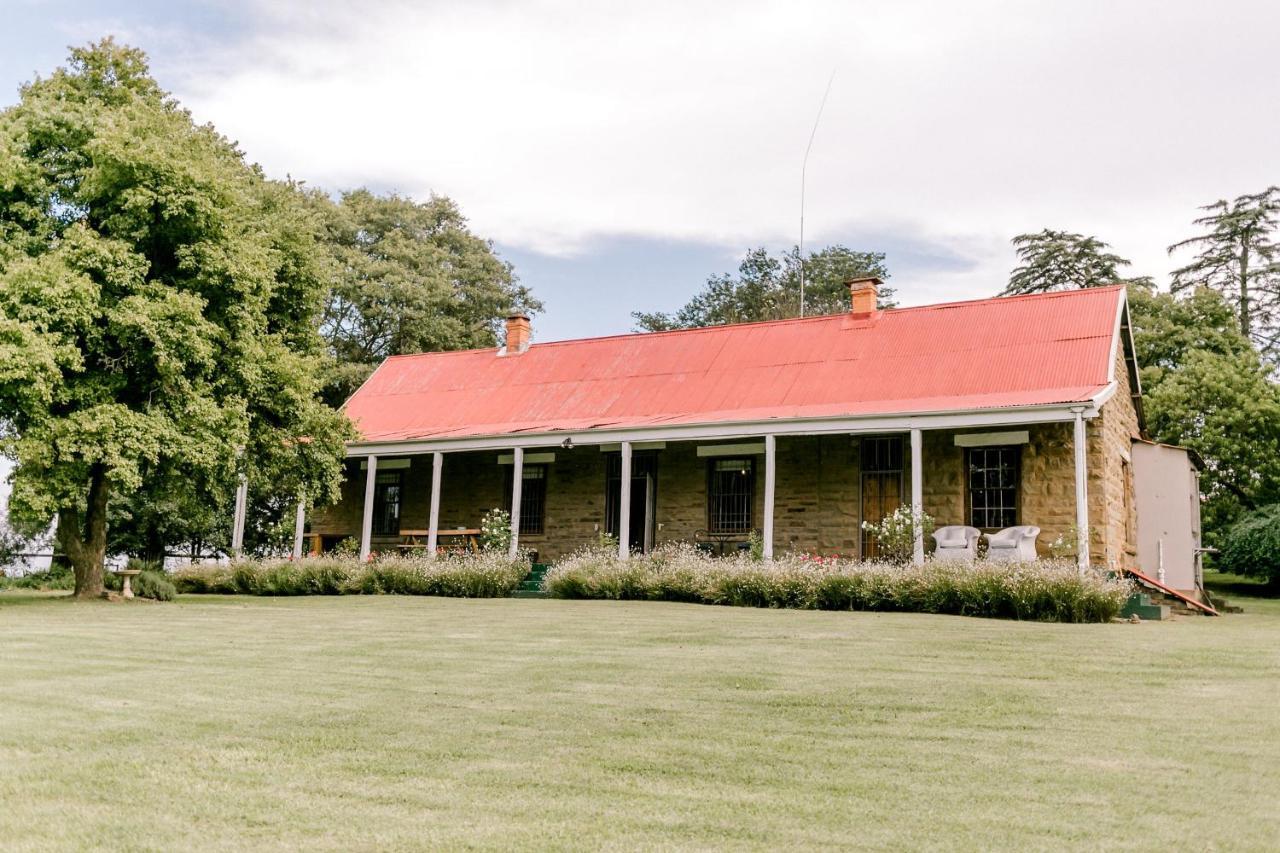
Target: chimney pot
x: 863, y: 291
x: 519, y: 332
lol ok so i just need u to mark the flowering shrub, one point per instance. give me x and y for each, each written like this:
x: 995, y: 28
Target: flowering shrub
x: 483, y: 575
x: 495, y: 530
x: 895, y: 534
x: 1045, y: 590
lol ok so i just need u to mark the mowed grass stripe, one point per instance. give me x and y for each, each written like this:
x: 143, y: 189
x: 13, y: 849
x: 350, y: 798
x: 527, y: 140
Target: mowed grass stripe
x: 354, y: 723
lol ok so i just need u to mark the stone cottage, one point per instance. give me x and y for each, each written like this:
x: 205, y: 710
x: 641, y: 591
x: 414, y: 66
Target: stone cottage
x: 989, y: 413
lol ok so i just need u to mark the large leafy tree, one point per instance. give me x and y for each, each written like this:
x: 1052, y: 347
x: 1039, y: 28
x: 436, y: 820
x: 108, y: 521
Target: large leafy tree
x: 1059, y: 260
x: 158, y: 303
x: 407, y: 277
x: 767, y: 287
x: 1238, y: 257
x: 1205, y: 388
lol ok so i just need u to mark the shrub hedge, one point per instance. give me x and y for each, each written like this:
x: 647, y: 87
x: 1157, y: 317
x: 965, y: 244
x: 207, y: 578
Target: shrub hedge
x: 1252, y: 545
x: 1049, y: 591
x: 483, y: 575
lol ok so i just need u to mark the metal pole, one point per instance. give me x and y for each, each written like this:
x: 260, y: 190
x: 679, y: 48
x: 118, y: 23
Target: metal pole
x: 366, y: 525
x: 917, y: 494
x: 1082, y: 490
x: 433, y: 536
x: 299, y: 525
x: 624, y: 504
x: 237, y: 529
x: 770, y: 478
x: 517, y: 488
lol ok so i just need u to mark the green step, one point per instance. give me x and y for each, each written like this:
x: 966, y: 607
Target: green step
x: 1141, y: 605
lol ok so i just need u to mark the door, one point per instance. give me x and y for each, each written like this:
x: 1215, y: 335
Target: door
x: 881, y: 484
x: 644, y: 469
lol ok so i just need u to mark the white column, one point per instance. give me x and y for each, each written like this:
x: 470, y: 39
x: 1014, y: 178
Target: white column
x: 433, y: 524
x: 517, y: 486
x: 237, y: 523
x: 1082, y: 490
x: 917, y: 493
x: 624, y: 504
x: 366, y: 526
x: 770, y: 477
x: 299, y: 525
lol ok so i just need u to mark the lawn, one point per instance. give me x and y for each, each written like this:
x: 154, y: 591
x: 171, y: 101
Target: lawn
x: 397, y: 722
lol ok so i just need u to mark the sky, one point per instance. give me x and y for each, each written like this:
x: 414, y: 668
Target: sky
x: 619, y: 154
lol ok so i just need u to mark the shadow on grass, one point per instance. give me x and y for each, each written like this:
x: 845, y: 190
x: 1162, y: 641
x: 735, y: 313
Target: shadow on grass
x: 1227, y: 584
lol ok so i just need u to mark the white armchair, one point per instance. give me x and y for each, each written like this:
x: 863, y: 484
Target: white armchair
x: 956, y: 542
x: 1013, y: 544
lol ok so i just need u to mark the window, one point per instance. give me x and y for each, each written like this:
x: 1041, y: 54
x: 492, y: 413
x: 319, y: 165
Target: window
x: 1130, y: 532
x: 388, y: 488
x: 993, y: 486
x: 730, y: 491
x: 533, y: 499
x: 881, y: 484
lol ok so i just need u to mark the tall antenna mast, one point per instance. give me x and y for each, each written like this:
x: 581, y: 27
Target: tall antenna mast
x: 803, y: 168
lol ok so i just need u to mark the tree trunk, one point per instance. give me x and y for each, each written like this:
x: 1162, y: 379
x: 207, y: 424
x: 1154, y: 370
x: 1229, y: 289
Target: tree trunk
x: 154, y: 546
x: 84, y: 541
x: 1245, y: 320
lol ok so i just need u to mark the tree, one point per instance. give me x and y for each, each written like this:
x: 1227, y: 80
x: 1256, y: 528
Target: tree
x: 768, y: 288
x: 158, y: 304
x: 1239, y: 258
x: 1059, y: 260
x: 407, y: 277
x: 1206, y: 389
x: 1167, y: 329
x: 1228, y: 411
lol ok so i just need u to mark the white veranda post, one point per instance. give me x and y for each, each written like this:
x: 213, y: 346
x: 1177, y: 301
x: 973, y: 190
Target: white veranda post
x: 624, y: 503
x: 366, y: 525
x: 770, y: 477
x: 433, y: 524
x: 1082, y: 491
x: 517, y: 486
x: 237, y: 523
x: 917, y: 495
x: 299, y: 526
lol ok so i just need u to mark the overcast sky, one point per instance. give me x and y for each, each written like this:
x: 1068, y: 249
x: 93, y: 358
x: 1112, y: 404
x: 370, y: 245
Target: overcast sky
x: 619, y: 154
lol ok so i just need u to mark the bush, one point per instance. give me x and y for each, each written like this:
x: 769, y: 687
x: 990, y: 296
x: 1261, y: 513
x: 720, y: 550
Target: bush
x: 1047, y: 591
x: 154, y: 584
x: 1252, y: 545
x: 484, y: 575
x: 39, y: 580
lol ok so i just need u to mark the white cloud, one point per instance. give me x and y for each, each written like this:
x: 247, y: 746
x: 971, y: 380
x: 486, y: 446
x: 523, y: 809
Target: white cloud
x: 959, y: 124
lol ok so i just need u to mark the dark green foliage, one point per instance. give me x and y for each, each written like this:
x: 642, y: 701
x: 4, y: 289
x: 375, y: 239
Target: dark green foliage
x: 1239, y: 257
x: 407, y: 277
x: 768, y: 288
x: 154, y: 585
x: 1252, y: 546
x: 159, y: 299
x: 1059, y: 260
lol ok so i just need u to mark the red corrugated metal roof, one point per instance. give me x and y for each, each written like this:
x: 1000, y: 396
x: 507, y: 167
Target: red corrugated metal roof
x: 990, y: 353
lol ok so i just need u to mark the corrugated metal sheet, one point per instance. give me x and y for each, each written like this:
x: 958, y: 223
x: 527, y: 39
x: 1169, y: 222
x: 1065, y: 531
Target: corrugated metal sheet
x: 991, y: 353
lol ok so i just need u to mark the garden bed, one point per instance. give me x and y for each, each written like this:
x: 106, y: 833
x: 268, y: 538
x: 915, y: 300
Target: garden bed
x: 1046, y: 590
x: 484, y: 575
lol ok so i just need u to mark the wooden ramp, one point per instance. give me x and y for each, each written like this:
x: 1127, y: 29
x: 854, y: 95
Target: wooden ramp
x: 1173, y: 593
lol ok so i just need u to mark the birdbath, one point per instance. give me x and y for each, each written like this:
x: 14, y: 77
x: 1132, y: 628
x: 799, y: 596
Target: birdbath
x: 127, y: 575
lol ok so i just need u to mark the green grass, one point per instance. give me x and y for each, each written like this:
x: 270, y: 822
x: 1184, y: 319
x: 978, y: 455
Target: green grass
x: 400, y: 722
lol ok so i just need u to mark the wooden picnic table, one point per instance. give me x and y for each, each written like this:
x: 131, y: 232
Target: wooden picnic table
x: 469, y: 536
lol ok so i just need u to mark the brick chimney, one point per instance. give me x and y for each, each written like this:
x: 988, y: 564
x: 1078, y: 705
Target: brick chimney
x: 863, y: 291
x: 518, y: 333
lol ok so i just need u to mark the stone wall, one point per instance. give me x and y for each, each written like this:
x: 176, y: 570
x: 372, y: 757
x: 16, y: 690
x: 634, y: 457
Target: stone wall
x: 818, y: 497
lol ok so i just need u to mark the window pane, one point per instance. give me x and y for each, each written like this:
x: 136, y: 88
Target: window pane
x: 993, y: 486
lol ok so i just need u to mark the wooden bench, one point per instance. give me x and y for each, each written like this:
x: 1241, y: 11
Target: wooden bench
x: 469, y: 539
